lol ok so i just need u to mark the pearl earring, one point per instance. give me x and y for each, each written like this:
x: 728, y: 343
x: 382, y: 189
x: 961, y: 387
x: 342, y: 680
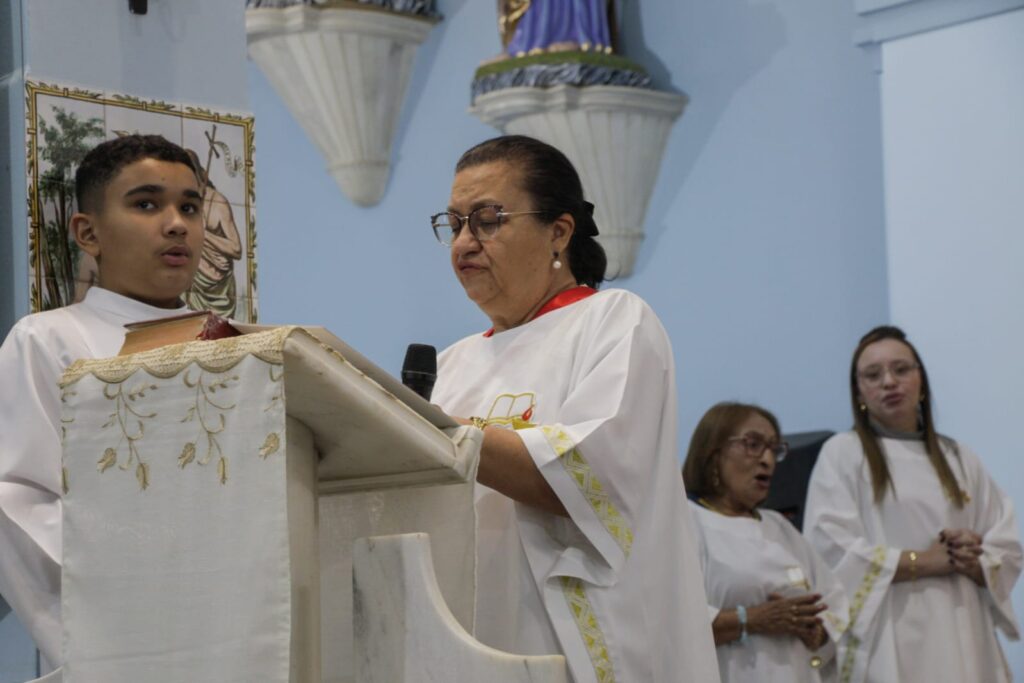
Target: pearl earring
x: 557, y: 264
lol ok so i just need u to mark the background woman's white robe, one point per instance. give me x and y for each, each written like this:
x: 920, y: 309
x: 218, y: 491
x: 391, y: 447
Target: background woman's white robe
x: 617, y: 586
x: 32, y: 360
x: 932, y: 629
x: 744, y: 560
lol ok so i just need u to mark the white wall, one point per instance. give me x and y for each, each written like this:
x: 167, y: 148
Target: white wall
x: 952, y: 112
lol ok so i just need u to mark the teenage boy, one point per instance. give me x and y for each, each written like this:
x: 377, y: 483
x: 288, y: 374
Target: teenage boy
x: 140, y: 216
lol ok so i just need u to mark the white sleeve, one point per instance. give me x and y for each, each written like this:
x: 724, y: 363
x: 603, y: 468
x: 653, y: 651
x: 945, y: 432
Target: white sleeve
x: 602, y: 454
x: 705, y: 561
x: 996, y: 521
x: 823, y: 581
x: 30, y: 484
x: 835, y: 529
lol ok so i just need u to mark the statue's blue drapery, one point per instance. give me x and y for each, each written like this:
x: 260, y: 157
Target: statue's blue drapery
x: 548, y: 22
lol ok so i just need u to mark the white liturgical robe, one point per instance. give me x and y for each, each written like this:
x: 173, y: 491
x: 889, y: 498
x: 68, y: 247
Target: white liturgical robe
x: 931, y: 629
x: 32, y: 360
x: 744, y: 560
x: 616, y: 587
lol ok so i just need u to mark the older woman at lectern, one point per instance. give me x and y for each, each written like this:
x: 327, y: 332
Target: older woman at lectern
x: 585, y: 546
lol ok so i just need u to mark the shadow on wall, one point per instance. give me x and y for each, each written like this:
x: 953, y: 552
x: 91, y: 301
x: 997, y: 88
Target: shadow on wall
x: 18, y: 658
x: 426, y: 58
x: 7, y: 241
x: 720, y: 46
x: 10, y: 92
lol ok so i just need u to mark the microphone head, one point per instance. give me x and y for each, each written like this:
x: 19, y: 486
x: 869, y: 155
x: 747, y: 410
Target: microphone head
x: 419, y: 371
x: 420, y: 358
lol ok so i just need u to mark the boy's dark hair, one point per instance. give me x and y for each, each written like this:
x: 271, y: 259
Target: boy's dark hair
x: 106, y: 159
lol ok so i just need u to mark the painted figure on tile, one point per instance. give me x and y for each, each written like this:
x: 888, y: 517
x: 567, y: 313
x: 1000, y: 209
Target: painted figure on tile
x: 530, y: 27
x: 214, y: 287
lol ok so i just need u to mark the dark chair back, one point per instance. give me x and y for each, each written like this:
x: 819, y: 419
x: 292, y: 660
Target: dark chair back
x: 789, y: 483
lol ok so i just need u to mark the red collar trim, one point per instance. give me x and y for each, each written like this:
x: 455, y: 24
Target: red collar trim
x: 560, y: 300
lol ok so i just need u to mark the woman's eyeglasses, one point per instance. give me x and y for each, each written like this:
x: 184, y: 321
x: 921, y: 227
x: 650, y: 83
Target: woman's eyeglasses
x: 755, y: 446
x: 874, y: 376
x: 483, y: 223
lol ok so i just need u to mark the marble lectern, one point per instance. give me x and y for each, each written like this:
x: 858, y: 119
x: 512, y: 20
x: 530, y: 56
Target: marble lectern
x: 217, y: 496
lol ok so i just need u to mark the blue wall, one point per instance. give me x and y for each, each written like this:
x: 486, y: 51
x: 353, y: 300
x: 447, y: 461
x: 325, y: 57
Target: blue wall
x: 954, y: 168
x: 765, y: 248
x: 12, y: 166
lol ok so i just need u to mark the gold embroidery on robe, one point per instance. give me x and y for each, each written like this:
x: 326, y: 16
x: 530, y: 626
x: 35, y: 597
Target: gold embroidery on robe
x: 856, y: 605
x: 590, y: 486
x: 590, y: 629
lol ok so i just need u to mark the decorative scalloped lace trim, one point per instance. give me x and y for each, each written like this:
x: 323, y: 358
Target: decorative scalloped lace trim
x: 165, y: 362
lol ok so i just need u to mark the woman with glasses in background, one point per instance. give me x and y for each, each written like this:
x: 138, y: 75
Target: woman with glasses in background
x: 584, y: 544
x: 776, y: 608
x: 924, y: 541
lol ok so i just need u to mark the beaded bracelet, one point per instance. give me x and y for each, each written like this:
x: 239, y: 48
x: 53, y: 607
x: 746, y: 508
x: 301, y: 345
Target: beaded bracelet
x: 741, y: 612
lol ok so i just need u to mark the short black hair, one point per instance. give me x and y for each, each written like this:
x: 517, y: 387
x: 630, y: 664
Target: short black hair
x: 555, y: 188
x: 105, y: 160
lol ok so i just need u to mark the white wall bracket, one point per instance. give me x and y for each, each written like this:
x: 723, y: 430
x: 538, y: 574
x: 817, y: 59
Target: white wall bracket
x: 614, y: 135
x: 342, y: 71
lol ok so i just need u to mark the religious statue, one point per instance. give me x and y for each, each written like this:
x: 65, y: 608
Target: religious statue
x: 424, y: 8
x: 530, y: 27
x: 549, y: 43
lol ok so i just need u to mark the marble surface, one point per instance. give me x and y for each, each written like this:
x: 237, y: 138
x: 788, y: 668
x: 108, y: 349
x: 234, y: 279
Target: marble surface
x: 404, y: 631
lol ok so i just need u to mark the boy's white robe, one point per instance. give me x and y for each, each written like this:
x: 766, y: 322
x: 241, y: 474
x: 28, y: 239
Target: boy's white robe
x: 616, y: 587
x: 931, y: 629
x: 32, y: 359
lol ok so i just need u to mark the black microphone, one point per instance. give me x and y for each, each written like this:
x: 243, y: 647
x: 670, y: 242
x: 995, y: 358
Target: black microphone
x: 419, y: 371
